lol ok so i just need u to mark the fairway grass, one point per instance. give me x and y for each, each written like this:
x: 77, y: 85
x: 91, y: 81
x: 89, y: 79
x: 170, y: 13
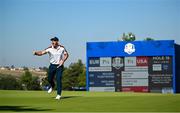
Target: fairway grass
x: 40, y: 101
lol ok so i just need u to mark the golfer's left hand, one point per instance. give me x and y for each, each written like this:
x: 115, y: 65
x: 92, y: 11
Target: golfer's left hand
x: 60, y: 63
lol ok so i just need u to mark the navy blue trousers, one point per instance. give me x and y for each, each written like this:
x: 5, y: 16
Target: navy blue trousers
x: 53, y: 70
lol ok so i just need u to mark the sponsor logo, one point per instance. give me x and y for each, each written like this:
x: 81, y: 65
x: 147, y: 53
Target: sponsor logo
x: 157, y: 67
x: 117, y: 62
x: 165, y: 66
x: 135, y: 89
x: 129, y: 48
x: 166, y: 90
x: 135, y: 82
x: 108, y: 89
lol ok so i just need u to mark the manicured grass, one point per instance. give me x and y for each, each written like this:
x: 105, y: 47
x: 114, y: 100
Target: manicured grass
x: 40, y: 101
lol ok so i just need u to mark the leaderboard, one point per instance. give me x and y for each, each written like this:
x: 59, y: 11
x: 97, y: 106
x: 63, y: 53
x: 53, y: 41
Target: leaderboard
x: 131, y: 74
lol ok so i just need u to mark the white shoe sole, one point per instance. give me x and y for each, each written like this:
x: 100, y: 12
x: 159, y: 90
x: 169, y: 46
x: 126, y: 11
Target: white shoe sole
x: 50, y: 90
x: 58, y: 98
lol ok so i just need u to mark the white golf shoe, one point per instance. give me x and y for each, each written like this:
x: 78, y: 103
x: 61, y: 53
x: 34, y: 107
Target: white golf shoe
x: 50, y: 90
x: 58, y: 97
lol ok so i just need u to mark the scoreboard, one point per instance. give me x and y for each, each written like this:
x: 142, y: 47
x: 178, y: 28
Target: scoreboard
x: 139, y: 66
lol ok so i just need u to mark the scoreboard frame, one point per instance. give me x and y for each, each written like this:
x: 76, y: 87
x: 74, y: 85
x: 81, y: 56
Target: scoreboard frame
x: 131, y: 49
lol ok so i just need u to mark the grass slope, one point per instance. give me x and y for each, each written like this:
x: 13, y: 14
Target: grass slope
x: 40, y: 101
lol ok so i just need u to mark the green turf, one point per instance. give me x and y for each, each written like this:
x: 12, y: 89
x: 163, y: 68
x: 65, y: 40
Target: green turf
x: 40, y: 101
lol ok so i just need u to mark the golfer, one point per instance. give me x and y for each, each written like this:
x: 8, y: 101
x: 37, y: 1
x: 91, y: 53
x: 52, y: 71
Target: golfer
x: 57, y: 55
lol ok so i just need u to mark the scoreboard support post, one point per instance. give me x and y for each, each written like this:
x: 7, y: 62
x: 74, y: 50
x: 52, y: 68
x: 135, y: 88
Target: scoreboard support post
x: 174, y: 74
x: 87, y: 74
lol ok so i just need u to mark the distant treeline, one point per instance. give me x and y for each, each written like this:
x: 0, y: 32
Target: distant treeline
x: 73, y: 76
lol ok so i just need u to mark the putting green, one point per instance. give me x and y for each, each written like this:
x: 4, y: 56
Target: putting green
x: 40, y: 101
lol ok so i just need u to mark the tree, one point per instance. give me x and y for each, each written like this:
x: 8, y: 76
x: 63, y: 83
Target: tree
x: 25, y: 68
x: 74, y: 76
x: 45, y: 80
x: 35, y: 83
x: 26, y: 80
x: 29, y: 82
x: 9, y: 82
x: 128, y: 37
x: 148, y: 39
x: 82, y: 79
x: 12, y: 67
x: 45, y: 68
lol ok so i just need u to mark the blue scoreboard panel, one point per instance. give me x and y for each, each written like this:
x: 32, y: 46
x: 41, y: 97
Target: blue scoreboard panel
x: 139, y: 66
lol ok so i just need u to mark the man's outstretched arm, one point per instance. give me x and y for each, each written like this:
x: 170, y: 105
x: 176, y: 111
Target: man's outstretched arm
x: 39, y: 53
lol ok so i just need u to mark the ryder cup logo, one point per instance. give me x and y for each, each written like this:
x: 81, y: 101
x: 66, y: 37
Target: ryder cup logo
x: 129, y: 48
x: 117, y: 63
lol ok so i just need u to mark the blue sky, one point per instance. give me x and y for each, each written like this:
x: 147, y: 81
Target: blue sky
x: 27, y: 25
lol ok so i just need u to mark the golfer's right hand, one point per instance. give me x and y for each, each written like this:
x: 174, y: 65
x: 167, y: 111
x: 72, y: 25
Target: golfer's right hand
x: 34, y: 52
x: 60, y: 63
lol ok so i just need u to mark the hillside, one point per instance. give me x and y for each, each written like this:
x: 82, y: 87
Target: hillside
x: 18, y: 73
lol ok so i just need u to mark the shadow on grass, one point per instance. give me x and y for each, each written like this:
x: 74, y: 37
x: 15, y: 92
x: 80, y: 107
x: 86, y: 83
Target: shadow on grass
x: 21, y: 109
x: 68, y: 97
